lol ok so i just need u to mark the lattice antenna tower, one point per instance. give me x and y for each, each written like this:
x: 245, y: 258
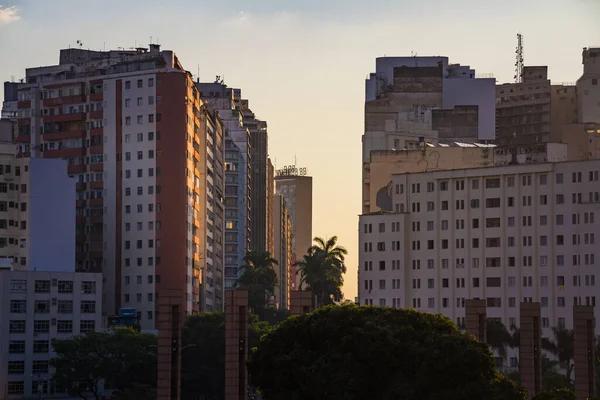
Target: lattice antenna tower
x: 519, y: 61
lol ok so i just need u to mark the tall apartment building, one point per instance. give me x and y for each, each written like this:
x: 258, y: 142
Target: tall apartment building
x: 588, y: 87
x: 523, y: 109
x: 283, y: 252
x: 296, y: 189
x: 504, y: 234
x: 410, y: 100
x: 148, y: 159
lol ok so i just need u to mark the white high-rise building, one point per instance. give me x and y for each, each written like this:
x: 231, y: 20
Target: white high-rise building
x: 504, y: 234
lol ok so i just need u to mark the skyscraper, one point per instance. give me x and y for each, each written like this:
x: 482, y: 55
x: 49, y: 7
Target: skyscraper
x: 296, y: 188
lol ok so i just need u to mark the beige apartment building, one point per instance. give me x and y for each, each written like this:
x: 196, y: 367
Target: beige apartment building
x: 505, y: 234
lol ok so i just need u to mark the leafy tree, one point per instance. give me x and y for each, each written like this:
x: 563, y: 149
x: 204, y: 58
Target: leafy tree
x: 203, y: 354
x: 562, y: 348
x: 123, y: 358
x: 350, y: 352
x: 322, y: 268
x: 259, y: 278
x: 556, y: 394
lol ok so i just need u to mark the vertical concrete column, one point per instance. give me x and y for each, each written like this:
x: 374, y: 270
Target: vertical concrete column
x: 475, y: 315
x: 530, y: 357
x: 584, y: 352
x: 301, y: 302
x: 236, y: 344
x: 169, y: 324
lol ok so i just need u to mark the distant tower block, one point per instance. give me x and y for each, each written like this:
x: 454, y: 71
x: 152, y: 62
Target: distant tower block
x: 301, y: 302
x: 236, y: 344
x: 584, y: 349
x: 530, y: 357
x: 475, y: 318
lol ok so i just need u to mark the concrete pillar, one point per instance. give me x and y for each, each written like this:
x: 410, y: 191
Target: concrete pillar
x: 236, y: 344
x: 530, y: 356
x: 301, y: 302
x: 170, y: 320
x: 584, y: 347
x: 475, y: 315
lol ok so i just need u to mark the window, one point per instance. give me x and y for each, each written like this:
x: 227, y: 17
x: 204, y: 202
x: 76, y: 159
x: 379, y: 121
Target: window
x: 150, y: 82
x: 41, y: 306
x: 140, y: 83
x: 492, y: 183
x: 86, y: 326
x: 16, y: 326
x: 88, y: 287
x: 88, y: 307
x: 40, y: 367
x: 15, y: 387
x: 65, y: 306
x: 64, y: 326
x: 65, y: 286
x: 42, y: 286
x: 16, y: 367
x: 41, y: 326
x: 18, y: 306
x: 41, y: 346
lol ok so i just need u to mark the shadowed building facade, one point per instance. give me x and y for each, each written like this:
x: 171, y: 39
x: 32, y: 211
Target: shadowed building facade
x: 584, y: 347
x: 530, y: 360
x: 236, y: 344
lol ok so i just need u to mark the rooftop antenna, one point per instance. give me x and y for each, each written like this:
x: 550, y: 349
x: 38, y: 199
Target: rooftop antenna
x: 295, y: 159
x: 520, y: 59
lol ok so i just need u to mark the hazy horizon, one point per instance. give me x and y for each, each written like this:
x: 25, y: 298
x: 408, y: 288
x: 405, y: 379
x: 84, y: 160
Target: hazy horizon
x: 302, y: 65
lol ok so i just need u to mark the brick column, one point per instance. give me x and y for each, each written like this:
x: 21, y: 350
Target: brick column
x: 170, y: 320
x: 530, y: 357
x: 301, y: 302
x: 584, y: 352
x: 236, y: 344
x: 475, y: 314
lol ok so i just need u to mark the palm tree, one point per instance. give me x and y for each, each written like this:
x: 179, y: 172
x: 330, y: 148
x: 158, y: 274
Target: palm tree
x: 562, y: 348
x: 259, y: 278
x: 498, y: 337
x: 322, y: 269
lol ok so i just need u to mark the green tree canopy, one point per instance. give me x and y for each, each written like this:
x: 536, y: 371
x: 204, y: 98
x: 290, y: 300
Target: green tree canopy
x: 556, y: 394
x: 258, y: 278
x: 123, y: 358
x: 322, y: 269
x: 349, y: 352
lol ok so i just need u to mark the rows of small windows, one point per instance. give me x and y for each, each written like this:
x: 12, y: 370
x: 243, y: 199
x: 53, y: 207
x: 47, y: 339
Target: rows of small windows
x: 490, y: 262
x: 140, y: 137
x: 140, y: 83
x: 140, y: 190
x: 45, y: 285
x: 43, y: 306
x: 140, y: 155
x: 44, y: 386
x: 490, y: 282
x: 140, y: 209
x: 140, y: 119
x: 140, y: 101
x: 496, y: 183
x: 43, y: 326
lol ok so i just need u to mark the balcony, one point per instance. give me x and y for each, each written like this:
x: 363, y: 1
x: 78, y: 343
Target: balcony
x: 80, y: 238
x: 98, y: 96
x: 64, y: 100
x: 99, y: 149
x: 97, y: 167
x: 63, y: 135
x: 96, y: 202
x: 80, y: 186
x: 80, y: 220
x: 65, y: 153
x: 96, y: 131
x: 96, y: 114
x: 23, y: 139
x: 76, y: 169
x: 80, y: 116
x: 97, y: 185
x: 96, y: 219
x: 24, y: 104
x: 80, y: 203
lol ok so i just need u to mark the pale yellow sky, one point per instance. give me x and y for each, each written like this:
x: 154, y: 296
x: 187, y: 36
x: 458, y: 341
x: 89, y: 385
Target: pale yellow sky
x: 303, y: 64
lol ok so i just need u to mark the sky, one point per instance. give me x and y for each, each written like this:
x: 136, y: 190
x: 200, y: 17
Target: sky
x: 302, y: 64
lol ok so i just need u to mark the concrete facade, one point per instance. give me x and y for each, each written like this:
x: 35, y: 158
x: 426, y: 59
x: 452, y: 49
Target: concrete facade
x: 283, y: 252
x: 588, y: 87
x: 530, y: 347
x: 501, y: 234
x: 584, y: 351
x: 236, y: 345
x: 475, y: 321
x: 523, y: 110
x: 301, y: 302
x: 36, y: 307
x: 298, y: 195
